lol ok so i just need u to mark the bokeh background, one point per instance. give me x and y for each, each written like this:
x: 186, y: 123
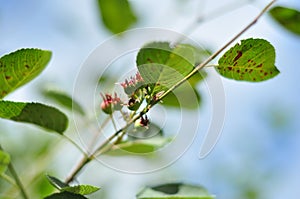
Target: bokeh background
x: 256, y: 156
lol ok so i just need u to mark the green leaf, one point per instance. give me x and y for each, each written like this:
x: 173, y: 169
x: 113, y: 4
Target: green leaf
x: 151, y: 131
x: 163, y: 66
x: 4, y: 161
x: 252, y: 60
x: 182, y: 99
x: 288, y: 18
x: 64, y: 99
x: 34, y: 113
x: 20, y: 67
x: 181, y: 96
x: 56, y: 182
x: 176, y: 191
x: 117, y: 15
x: 65, y: 195
x: 141, y: 146
x: 81, y: 189
x: 200, y: 54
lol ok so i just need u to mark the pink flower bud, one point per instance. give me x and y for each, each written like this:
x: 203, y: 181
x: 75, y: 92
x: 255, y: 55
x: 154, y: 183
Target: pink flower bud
x: 110, y: 103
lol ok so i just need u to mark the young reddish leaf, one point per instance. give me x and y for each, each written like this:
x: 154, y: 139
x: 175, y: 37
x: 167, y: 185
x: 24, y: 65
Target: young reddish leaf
x: 252, y: 60
x: 288, y: 18
x: 20, y: 67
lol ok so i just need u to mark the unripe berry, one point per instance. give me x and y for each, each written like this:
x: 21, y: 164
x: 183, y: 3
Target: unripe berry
x: 106, y: 107
x: 133, y: 104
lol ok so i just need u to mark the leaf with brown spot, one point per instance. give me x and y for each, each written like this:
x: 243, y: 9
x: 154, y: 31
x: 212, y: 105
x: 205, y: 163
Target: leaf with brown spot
x: 252, y: 60
x: 20, y: 67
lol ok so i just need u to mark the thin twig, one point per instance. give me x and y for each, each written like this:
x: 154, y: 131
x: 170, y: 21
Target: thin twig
x: 84, y: 161
x: 97, y: 134
x: 17, y: 179
x: 218, y: 12
x: 78, y: 168
x: 105, y: 148
x: 75, y: 144
x: 113, y: 121
x: 203, y: 64
x: 8, y: 179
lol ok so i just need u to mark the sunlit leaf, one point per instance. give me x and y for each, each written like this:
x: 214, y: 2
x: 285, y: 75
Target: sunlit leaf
x: 200, y: 54
x: 58, y: 184
x: 252, y: 60
x: 65, y: 195
x: 81, y: 189
x: 181, y: 96
x: 174, y: 191
x: 42, y: 186
x: 163, y: 66
x: 141, y: 146
x: 34, y: 113
x: 182, y: 99
x: 151, y: 131
x: 4, y: 161
x: 289, y: 18
x: 64, y: 99
x: 117, y: 15
x: 20, y: 67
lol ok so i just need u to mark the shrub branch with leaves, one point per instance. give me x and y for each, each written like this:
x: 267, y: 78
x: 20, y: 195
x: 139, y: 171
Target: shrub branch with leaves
x: 161, y: 68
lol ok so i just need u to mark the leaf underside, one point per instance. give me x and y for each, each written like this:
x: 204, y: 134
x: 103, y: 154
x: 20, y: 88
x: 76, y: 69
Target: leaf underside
x: 58, y: 184
x: 81, y: 189
x: 139, y: 146
x: 288, y: 18
x: 186, y: 95
x: 34, y: 113
x: 64, y: 99
x: 65, y: 195
x: 163, y: 66
x: 174, y: 191
x: 117, y: 15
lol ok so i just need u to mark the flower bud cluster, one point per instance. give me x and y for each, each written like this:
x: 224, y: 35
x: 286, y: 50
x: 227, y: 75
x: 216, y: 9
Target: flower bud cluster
x: 134, y: 83
x: 136, y: 91
x: 111, y: 103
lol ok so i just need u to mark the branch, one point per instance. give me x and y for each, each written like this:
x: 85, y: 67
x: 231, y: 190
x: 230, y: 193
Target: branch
x: 17, y: 179
x: 8, y: 179
x: 98, y: 151
x: 203, y: 64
